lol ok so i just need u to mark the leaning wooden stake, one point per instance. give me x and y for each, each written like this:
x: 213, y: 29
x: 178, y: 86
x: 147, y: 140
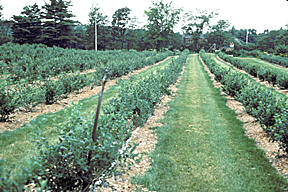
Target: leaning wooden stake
x: 97, y: 115
x: 98, y: 108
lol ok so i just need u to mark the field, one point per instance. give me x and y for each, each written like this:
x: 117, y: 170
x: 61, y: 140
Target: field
x: 225, y: 129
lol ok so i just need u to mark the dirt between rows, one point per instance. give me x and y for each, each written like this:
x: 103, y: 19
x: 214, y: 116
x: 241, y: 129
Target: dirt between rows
x: 265, y: 83
x: 19, y: 118
x: 146, y: 140
x: 254, y: 130
x: 81, y: 73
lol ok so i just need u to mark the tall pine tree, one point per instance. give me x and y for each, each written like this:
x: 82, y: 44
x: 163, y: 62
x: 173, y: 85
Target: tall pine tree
x: 27, y: 26
x: 58, y: 25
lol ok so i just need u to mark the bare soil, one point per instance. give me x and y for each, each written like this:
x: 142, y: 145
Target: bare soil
x: 19, y: 118
x: 81, y: 73
x: 254, y: 130
x: 146, y: 138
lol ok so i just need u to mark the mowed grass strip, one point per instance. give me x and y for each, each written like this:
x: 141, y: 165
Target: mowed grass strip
x: 202, y: 145
x: 17, y: 147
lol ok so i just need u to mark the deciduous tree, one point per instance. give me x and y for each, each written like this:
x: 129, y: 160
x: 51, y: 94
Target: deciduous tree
x: 120, y: 22
x: 273, y: 41
x: 162, y: 18
x: 196, y: 23
x: 219, y: 35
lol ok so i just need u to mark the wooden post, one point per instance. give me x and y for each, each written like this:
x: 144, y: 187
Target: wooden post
x: 96, y: 118
x: 98, y: 109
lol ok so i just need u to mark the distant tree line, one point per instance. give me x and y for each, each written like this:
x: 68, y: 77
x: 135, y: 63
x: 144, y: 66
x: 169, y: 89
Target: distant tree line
x: 205, y: 35
x: 53, y: 25
x: 274, y: 41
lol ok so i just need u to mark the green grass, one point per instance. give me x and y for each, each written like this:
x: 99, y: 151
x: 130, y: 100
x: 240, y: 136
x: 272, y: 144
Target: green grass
x: 213, y: 56
x: 202, y: 145
x: 16, y: 147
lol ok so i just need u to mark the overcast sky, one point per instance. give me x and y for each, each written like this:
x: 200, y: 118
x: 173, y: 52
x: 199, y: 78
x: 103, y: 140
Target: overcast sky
x: 244, y: 14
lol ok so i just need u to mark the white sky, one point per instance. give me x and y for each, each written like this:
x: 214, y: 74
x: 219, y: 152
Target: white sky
x: 243, y: 14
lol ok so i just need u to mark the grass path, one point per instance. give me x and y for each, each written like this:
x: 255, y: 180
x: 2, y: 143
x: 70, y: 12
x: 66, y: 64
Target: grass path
x: 202, y: 146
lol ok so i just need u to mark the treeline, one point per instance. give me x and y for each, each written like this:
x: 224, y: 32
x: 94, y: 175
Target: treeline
x: 220, y: 36
x: 274, y: 41
x: 53, y: 25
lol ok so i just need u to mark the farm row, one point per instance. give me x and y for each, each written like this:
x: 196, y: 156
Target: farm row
x: 62, y: 160
x: 269, y: 107
x: 25, y: 95
x: 63, y: 165
x: 283, y: 61
x: 271, y: 73
x: 34, y: 62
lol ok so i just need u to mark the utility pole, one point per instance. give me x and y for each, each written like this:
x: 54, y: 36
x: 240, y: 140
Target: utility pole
x: 247, y: 36
x: 96, y: 47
